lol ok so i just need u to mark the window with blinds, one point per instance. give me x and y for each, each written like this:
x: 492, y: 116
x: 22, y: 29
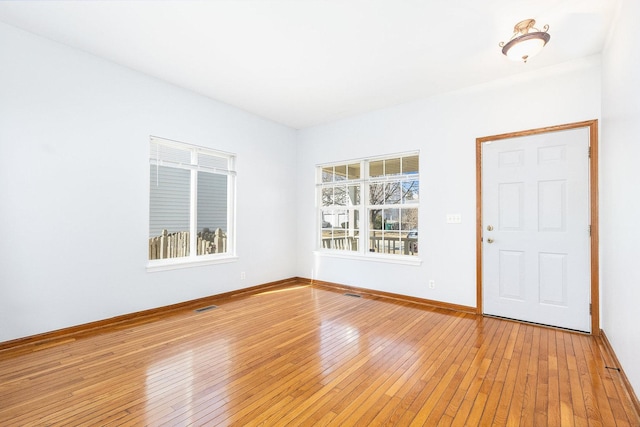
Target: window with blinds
x: 191, y: 192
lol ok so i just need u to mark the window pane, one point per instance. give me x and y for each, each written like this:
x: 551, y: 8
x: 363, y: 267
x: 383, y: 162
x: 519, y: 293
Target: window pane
x: 410, y: 231
x: 169, y: 153
x: 392, y: 219
x: 354, y: 221
x: 375, y: 219
x: 339, y: 229
x: 347, y: 219
x: 393, y: 194
x: 409, y: 220
x: 169, y: 204
x: 376, y: 168
x: 326, y: 220
x: 392, y: 243
x: 410, y: 191
x: 340, y: 196
x: 341, y: 222
x: 375, y: 241
x: 340, y: 172
x: 410, y: 165
x: 392, y: 167
x: 327, y: 174
x: 354, y: 195
x: 387, y: 242
x: 354, y: 171
x: 210, y: 161
x: 327, y: 196
x: 339, y: 242
x: 333, y: 219
x: 376, y: 194
x: 211, y: 213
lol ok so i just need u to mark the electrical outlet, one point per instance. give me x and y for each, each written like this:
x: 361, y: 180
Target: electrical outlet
x: 432, y: 284
x: 242, y: 275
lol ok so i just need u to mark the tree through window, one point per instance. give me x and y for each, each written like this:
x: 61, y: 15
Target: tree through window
x: 385, y: 191
x: 392, y: 207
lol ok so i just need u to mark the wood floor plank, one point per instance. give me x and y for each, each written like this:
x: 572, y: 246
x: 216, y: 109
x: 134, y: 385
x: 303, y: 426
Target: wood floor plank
x: 472, y: 383
x: 515, y: 411
x: 567, y: 417
x: 549, y: 413
x: 304, y: 355
x: 510, y: 395
x: 528, y: 412
x: 542, y: 391
x: 495, y: 378
x: 434, y: 407
x: 596, y: 377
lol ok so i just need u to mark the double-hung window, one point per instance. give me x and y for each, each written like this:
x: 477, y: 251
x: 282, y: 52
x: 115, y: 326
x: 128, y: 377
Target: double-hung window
x: 340, y: 206
x: 191, y: 201
x: 370, y: 205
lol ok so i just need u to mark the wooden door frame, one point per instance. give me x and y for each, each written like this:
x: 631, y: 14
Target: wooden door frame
x: 592, y: 125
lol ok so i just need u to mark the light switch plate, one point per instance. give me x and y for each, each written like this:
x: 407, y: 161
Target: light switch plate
x: 454, y: 218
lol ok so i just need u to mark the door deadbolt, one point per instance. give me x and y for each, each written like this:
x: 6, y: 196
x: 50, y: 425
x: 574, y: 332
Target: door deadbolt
x: 490, y: 227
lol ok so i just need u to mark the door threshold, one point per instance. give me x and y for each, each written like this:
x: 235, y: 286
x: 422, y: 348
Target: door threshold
x: 577, y: 331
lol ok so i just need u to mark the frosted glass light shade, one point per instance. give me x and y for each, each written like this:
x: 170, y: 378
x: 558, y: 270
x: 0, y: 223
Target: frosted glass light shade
x: 525, y: 46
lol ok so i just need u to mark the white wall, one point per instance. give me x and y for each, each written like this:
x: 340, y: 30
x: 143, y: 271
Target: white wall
x: 444, y: 128
x: 620, y: 197
x: 74, y: 174
x: 74, y: 156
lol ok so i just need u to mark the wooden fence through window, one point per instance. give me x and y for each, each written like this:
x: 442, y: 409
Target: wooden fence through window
x: 175, y: 245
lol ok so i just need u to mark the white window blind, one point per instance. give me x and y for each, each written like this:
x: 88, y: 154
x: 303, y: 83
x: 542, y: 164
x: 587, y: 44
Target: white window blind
x: 190, y: 201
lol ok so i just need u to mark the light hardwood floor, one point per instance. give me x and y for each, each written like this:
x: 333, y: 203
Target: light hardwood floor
x: 308, y: 355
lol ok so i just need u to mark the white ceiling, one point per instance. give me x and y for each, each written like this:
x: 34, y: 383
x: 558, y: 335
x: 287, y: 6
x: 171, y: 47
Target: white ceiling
x: 307, y: 62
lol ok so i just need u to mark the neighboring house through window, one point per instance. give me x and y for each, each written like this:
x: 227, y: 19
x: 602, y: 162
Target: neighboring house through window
x: 191, y: 200
x: 384, y: 191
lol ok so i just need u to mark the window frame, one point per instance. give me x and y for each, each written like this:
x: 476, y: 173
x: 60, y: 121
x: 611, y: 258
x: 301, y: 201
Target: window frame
x: 364, y: 181
x: 195, y: 166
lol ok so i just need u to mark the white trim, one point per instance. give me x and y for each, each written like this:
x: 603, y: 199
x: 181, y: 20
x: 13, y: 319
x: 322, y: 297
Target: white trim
x: 193, y: 166
x: 193, y: 202
x: 371, y: 158
x: 181, y: 145
x: 186, y: 262
x: 390, y: 259
x: 232, y: 209
x: 364, y: 182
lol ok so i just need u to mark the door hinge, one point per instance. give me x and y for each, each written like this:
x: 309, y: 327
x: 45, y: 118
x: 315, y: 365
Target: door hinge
x: 590, y: 309
x: 589, y: 151
x: 589, y: 231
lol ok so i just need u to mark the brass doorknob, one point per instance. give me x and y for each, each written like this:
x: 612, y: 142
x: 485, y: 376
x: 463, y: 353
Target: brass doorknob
x: 490, y: 227
x: 490, y: 240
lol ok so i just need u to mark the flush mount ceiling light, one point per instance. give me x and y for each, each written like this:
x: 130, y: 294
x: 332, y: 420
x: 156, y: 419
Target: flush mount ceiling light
x: 525, y: 43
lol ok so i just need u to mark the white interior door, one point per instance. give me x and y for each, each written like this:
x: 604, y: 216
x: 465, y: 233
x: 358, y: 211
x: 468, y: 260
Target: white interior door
x: 536, y: 237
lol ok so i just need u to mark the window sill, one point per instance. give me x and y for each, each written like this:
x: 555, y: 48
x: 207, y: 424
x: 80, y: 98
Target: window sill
x: 375, y: 257
x: 175, y: 264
